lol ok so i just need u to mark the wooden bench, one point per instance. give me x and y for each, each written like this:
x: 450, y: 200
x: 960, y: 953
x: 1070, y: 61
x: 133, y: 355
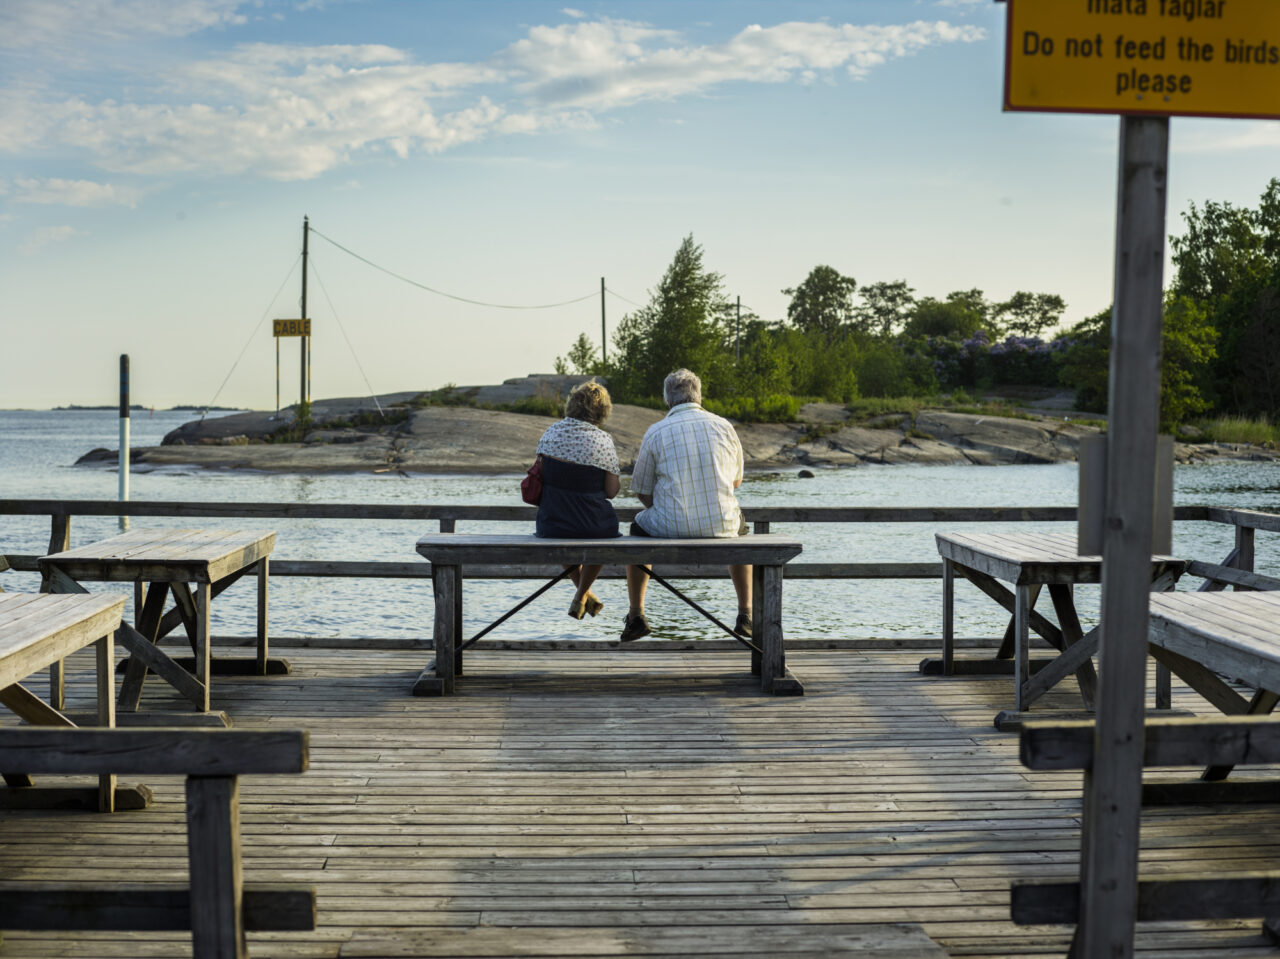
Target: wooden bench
x: 1170, y: 741
x: 451, y: 553
x: 215, y: 905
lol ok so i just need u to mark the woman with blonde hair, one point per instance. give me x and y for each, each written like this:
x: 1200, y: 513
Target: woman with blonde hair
x: 580, y: 475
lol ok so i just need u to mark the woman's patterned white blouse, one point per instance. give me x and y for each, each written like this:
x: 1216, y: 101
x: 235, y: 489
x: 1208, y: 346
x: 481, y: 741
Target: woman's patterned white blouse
x: 577, y: 441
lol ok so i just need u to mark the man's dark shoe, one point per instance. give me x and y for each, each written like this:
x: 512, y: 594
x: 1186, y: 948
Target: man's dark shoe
x: 743, y: 626
x: 634, y: 627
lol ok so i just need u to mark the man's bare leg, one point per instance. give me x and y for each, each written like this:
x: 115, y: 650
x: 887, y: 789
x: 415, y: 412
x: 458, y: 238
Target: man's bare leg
x: 637, y: 583
x: 741, y: 576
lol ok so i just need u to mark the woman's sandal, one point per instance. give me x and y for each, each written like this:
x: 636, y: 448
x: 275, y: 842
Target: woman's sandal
x: 577, y: 609
x: 591, y: 602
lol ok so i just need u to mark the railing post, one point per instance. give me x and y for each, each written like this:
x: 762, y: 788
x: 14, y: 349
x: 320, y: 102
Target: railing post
x: 1244, y: 548
x: 59, y: 540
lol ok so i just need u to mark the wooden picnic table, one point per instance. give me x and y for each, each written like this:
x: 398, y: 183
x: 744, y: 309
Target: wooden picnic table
x: 1204, y: 636
x: 451, y: 553
x: 36, y: 631
x: 194, y: 565
x: 1029, y: 562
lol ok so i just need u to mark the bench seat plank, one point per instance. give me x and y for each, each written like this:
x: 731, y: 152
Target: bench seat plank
x: 210, y: 752
x: 464, y: 550
x: 145, y: 907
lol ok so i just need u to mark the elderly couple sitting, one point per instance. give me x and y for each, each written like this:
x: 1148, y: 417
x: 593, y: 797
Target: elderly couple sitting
x: 685, y: 475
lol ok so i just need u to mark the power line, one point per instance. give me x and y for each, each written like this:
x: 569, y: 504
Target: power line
x: 350, y: 346
x: 265, y: 314
x: 624, y: 299
x: 461, y: 299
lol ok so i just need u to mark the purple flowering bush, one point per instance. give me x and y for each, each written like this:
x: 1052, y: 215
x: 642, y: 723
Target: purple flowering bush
x: 977, y: 362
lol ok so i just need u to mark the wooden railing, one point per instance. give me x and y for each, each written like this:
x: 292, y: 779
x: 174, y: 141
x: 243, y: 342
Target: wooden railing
x: 1235, y: 570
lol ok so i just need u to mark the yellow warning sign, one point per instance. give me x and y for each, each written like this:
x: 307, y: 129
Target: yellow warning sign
x: 290, y: 327
x: 1168, y: 57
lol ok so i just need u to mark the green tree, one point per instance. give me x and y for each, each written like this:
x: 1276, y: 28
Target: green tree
x: 1186, y: 349
x: 955, y: 319
x: 884, y: 308
x: 975, y: 301
x: 1029, y: 314
x: 1228, y: 262
x: 683, y: 324
x: 823, y: 302
x: 582, y: 356
x: 762, y: 368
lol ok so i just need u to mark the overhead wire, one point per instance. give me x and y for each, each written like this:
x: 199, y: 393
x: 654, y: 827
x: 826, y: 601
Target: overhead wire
x: 257, y: 326
x: 343, y: 329
x: 451, y: 296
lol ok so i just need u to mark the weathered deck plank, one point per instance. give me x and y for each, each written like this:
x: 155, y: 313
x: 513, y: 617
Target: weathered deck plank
x: 586, y: 802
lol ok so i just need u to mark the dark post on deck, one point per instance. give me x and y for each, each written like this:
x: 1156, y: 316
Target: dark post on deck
x: 124, y: 435
x: 1113, y: 786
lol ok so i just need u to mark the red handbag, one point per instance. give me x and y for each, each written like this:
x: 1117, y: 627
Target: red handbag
x: 531, y: 485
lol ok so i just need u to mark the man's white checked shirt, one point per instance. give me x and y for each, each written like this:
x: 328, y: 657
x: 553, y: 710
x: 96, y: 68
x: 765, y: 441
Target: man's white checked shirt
x: 689, y: 462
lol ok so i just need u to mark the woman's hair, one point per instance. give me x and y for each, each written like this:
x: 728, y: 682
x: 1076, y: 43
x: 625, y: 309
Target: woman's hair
x: 682, y: 386
x: 588, y: 401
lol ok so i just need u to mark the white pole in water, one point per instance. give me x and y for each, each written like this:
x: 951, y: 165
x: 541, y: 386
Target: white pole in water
x: 124, y: 435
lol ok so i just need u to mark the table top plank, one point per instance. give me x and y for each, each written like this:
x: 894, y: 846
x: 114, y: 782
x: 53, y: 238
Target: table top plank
x: 1025, y: 558
x: 1234, y: 633
x: 465, y: 549
x: 37, y: 630
x: 173, y: 555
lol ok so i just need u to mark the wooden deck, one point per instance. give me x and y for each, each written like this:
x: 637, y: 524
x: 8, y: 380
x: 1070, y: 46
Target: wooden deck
x: 641, y: 802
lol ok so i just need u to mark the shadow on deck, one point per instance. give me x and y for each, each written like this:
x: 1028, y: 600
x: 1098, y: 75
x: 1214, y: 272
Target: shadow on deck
x: 594, y: 803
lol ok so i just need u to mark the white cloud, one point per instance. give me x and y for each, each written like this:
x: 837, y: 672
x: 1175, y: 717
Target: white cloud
x: 45, y: 236
x: 68, y: 27
x: 74, y: 193
x: 576, y: 14
x: 1227, y: 136
x: 294, y: 112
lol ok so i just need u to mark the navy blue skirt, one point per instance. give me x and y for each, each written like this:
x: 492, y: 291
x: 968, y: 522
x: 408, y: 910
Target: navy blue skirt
x: 573, y: 502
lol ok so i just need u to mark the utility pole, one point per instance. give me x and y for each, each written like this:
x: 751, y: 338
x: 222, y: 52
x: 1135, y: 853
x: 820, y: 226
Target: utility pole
x: 604, y: 359
x: 304, y: 374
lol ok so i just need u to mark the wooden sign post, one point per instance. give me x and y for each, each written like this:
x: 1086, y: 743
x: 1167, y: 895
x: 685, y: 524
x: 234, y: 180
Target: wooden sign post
x: 300, y: 328
x: 1147, y: 60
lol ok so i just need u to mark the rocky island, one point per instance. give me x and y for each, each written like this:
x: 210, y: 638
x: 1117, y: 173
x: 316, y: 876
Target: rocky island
x: 481, y: 429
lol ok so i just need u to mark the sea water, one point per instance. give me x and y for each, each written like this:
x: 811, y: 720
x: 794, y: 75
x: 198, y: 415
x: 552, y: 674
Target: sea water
x: 38, y: 450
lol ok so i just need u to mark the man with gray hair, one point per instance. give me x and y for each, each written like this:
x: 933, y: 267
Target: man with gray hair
x: 685, y: 474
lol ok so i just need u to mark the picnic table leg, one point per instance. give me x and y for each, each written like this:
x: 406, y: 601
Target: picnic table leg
x: 948, y: 618
x: 58, y: 685
x: 1009, y: 643
x: 757, y: 616
x: 203, y: 644
x: 438, y: 678
x: 263, y: 576
x: 457, y: 623
x: 1064, y: 605
x: 213, y: 854
x: 148, y: 624
x: 768, y: 629
x: 1021, y: 643
x: 1164, y: 687
x: 105, y: 651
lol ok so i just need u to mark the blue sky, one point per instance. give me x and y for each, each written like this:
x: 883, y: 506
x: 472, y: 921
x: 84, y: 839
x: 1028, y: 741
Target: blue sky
x: 157, y: 158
